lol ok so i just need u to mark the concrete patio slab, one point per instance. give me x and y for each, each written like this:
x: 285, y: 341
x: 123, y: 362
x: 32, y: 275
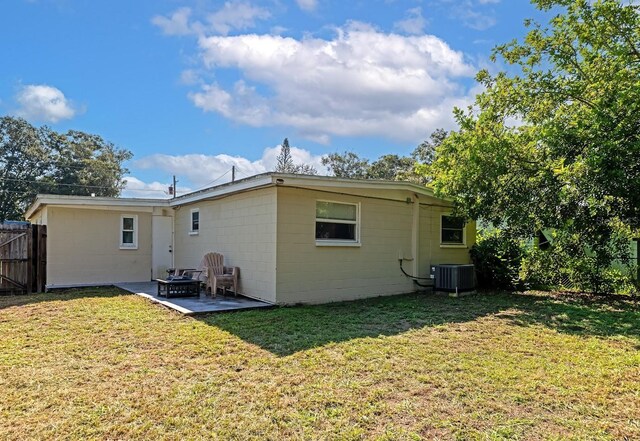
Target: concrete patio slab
x: 193, y: 305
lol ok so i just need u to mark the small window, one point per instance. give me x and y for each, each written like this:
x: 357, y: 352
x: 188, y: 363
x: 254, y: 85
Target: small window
x: 195, y: 221
x: 452, y: 231
x: 336, y: 221
x: 129, y: 231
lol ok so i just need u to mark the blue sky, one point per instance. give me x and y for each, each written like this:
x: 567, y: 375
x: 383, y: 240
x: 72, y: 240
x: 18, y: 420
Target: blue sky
x: 193, y: 87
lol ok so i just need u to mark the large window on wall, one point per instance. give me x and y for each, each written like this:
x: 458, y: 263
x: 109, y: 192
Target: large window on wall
x: 129, y: 231
x: 336, y: 222
x: 452, y: 230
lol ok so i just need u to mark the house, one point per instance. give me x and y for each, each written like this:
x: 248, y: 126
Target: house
x: 296, y: 238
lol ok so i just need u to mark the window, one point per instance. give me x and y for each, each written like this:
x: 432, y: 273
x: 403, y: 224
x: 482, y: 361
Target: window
x: 336, y: 222
x: 452, y: 230
x: 195, y: 221
x: 129, y: 231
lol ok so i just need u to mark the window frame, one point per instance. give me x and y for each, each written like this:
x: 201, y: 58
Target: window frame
x: 121, y: 230
x: 444, y: 244
x: 192, y: 231
x: 332, y: 242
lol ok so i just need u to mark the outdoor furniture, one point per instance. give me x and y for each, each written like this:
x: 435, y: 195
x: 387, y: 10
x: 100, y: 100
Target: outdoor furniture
x: 218, y: 275
x: 179, y: 287
x: 189, y: 272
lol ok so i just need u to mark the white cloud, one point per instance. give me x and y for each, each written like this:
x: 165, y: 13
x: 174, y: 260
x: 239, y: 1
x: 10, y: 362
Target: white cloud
x: 44, y: 103
x: 190, y: 77
x: 362, y: 82
x: 414, y: 23
x: 233, y: 15
x: 176, y: 24
x: 135, y: 188
x: 199, y: 171
x: 472, y: 13
x: 307, y: 5
x: 476, y: 20
x: 236, y: 15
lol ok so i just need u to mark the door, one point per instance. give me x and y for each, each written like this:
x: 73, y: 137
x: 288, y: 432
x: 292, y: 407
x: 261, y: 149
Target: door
x: 161, y: 246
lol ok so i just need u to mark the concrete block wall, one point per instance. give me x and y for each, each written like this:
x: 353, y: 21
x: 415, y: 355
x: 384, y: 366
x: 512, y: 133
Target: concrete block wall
x: 309, y: 273
x: 243, y: 228
x: 83, y: 247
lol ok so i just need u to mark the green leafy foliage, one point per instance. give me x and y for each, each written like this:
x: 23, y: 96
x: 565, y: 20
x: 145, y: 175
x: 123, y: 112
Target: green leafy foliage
x: 497, y: 258
x: 40, y: 160
x: 346, y: 165
x: 567, y: 264
x: 556, y: 144
x: 24, y: 162
x: 388, y: 167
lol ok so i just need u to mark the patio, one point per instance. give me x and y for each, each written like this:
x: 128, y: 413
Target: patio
x: 203, y: 304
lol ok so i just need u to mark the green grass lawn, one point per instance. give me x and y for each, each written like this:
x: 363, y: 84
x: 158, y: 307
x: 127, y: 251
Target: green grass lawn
x: 98, y: 363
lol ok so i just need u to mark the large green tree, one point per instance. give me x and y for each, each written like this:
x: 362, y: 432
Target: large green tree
x: 554, y: 142
x: 346, y: 165
x: 40, y: 160
x: 83, y: 164
x: 387, y: 167
x: 24, y: 164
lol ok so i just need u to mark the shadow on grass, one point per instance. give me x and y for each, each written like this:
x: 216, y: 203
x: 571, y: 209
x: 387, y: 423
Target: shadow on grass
x: 284, y: 331
x: 8, y: 301
x: 579, y: 314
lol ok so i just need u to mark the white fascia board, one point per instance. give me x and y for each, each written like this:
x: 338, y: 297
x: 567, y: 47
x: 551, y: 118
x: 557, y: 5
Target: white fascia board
x: 295, y: 180
x: 331, y: 182
x: 256, y: 182
x: 91, y: 202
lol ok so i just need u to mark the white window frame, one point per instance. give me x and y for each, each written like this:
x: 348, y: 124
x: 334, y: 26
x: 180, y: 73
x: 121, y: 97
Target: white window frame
x: 193, y: 232
x: 338, y: 242
x: 128, y: 246
x: 453, y: 244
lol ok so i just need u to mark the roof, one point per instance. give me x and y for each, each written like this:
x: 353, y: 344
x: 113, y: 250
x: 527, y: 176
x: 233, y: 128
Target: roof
x: 269, y: 179
x: 296, y: 180
x: 56, y: 199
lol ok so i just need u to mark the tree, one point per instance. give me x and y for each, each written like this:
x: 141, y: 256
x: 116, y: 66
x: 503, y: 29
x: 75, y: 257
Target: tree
x: 390, y: 167
x: 40, y: 160
x: 387, y: 167
x: 555, y: 143
x: 425, y: 153
x: 84, y: 164
x: 24, y: 161
x: 346, y: 165
x: 285, y: 162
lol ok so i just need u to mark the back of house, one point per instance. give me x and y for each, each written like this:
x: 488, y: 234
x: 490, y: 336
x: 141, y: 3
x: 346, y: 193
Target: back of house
x: 295, y: 238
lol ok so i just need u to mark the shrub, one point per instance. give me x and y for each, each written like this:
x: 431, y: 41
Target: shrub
x: 568, y: 264
x: 497, y: 259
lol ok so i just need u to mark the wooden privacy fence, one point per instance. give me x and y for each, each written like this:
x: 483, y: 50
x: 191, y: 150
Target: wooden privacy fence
x: 23, y: 258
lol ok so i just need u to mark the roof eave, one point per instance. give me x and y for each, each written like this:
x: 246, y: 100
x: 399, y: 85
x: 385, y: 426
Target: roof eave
x: 43, y: 200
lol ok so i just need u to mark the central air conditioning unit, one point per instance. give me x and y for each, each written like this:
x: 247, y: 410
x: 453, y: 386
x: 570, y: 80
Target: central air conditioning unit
x: 456, y: 279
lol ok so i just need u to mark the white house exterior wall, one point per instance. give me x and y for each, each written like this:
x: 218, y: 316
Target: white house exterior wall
x: 308, y: 273
x: 431, y: 251
x: 240, y: 226
x: 83, y: 247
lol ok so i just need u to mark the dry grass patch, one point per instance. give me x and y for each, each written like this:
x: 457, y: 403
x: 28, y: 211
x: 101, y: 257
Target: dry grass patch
x: 100, y: 364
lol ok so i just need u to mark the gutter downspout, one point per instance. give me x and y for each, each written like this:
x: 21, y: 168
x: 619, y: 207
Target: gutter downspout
x: 415, y: 235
